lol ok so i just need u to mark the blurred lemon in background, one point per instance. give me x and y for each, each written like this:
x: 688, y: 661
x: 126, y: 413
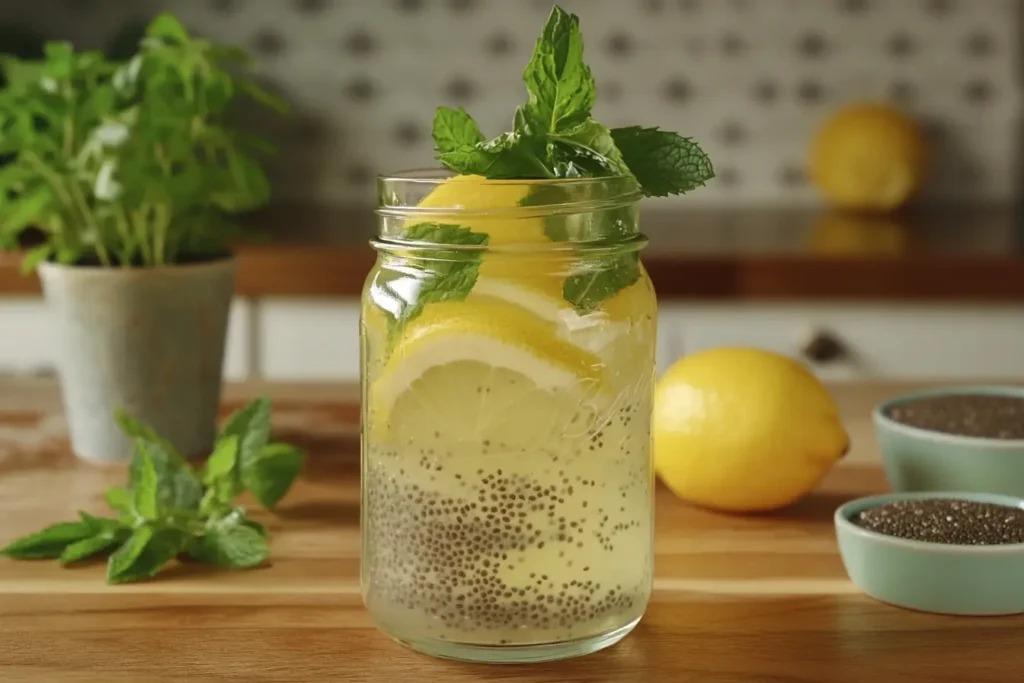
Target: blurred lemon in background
x: 869, y: 157
x: 838, y: 233
x: 743, y: 430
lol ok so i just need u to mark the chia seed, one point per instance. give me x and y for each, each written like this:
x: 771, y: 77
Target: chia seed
x: 990, y: 416
x: 946, y: 520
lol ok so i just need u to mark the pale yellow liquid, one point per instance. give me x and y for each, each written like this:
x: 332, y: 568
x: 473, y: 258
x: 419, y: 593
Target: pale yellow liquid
x: 480, y: 544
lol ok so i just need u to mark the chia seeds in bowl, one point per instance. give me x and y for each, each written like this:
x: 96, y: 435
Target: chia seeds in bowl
x: 945, y: 520
x: 989, y: 416
x: 950, y: 551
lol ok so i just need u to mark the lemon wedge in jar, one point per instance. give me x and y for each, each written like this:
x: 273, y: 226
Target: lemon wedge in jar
x: 484, y: 374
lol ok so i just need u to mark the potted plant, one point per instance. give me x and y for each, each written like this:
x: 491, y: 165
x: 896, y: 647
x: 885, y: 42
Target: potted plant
x: 129, y: 175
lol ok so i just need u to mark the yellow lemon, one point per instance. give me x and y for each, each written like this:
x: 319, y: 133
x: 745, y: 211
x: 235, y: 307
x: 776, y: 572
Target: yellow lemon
x: 491, y: 205
x: 482, y: 372
x: 869, y: 157
x: 742, y: 430
x: 849, y: 234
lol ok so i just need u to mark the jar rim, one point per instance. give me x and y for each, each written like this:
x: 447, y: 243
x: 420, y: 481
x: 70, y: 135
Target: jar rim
x: 583, y: 194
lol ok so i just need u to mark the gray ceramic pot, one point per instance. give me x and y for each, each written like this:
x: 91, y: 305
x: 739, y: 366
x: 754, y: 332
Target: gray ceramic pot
x: 149, y: 341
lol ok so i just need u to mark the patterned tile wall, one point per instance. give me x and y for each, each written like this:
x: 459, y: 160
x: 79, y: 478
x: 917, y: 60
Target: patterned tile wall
x: 749, y: 78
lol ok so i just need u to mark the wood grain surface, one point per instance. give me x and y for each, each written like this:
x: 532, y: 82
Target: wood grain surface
x: 760, y: 599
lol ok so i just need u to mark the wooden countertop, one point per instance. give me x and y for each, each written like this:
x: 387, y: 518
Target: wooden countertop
x: 737, y: 599
x: 960, y: 254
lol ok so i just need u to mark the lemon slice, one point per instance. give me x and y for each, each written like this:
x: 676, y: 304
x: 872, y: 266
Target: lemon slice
x: 469, y: 193
x: 484, y: 375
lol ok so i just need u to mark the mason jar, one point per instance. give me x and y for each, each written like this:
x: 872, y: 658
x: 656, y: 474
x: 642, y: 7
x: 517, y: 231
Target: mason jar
x: 507, y: 336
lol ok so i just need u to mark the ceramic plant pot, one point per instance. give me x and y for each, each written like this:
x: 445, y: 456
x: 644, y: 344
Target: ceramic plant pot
x: 149, y: 341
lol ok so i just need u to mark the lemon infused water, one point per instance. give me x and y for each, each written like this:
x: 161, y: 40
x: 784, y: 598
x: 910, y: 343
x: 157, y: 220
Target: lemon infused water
x: 508, y: 335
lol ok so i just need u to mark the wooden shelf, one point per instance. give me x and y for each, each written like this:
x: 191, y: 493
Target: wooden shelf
x: 953, y: 255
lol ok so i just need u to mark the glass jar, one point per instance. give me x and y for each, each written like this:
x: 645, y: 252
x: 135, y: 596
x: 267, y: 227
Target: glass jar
x: 507, y: 335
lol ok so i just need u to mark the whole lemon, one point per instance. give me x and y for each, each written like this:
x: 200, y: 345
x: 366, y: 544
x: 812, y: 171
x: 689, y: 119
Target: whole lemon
x: 742, y: 430
x: 869, y: 157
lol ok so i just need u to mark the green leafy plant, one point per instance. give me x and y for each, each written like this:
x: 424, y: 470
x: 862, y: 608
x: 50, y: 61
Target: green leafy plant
x: 555, y: 136
x: 129, y: 163
x: 171, y: 509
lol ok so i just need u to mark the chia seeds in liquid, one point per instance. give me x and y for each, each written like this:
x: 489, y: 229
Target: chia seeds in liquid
x: 946, y: 520
x: 991, y: 416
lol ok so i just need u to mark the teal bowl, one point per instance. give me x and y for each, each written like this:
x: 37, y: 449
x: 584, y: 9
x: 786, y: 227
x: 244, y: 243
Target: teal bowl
x: 976, y: 580
x: 922, y: 460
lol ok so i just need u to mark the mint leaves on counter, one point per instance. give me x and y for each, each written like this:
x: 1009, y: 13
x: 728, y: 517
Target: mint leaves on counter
x: 554, y: 135
x: 170, y: 509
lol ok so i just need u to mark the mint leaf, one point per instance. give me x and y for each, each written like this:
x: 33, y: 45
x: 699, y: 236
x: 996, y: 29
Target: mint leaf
x: 250, y: 425
x: 236, y: 545
x: 450, y: 277
x: 220, y: 473
x: 178, y: 487
x: 94, y: 545
x: 559, y: 85
x: 119, y: 499
x: 590, y: 147
x: 98, y: 525
x: 601, y: 280
x: 270, y: 475
x: 144, y: 553
x: 144, y: 489
x: 663, y: 162
x: 137, y: 430
x: 454, y: 129
x: 255, y: 526
x: 510, y: 155
x: 48, y: 543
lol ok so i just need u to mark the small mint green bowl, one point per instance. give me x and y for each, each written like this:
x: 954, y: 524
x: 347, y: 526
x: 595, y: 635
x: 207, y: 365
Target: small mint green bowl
x: 922, y: 460
x: 975, y: 580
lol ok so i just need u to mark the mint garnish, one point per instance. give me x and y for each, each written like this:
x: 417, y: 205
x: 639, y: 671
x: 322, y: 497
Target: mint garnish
x: 555, y: 136
x: 663, y: 163
x: 169, y: 509
x: 450, y: 274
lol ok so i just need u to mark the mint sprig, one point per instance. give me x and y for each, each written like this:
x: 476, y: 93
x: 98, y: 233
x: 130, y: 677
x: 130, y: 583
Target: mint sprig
x: 555, y: 136
x: 171, y: 509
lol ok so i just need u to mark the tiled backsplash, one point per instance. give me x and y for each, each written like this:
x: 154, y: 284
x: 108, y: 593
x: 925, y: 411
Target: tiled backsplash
x: 750, y: 79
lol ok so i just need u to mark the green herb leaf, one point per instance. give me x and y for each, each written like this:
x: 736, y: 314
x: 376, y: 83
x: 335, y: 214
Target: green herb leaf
x: 119, y: 499
x: 601, y: 280
x: 589, y: 146
x: 510, y: 155
x: 454, y: 129
x: 167, y: 26
x: 145, y: 552
x: 27, y: 209
x: 144, y: 488
x: 270, y: 475
x: 48, y: 543
x: 255, y: 526
x: 35, y: 256
x: 560, y: 86
x: 451, y: 275
x: 238, y: 546
x: 98, y: 525
x: 663, y: 162
x: 250, y: 425
x: 220, y: 473
x: 94, y: 545
x: 178, y: 486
